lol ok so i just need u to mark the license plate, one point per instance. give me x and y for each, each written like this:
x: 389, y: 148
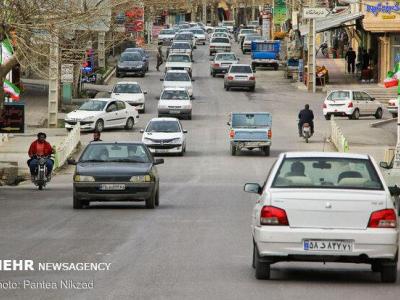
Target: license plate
x: 174, y: 111
x: 112, y: 187
x: 328, y: 245
x: 252, y: 144
x: 161, y: 150
x: 241, y: 78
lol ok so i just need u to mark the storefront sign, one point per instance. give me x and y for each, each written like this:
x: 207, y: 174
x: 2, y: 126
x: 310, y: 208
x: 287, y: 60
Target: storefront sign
x: 12, y: 118
x: 383, y: 8
x: 279, y: 12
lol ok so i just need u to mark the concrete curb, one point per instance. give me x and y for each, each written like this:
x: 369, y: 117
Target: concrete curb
x: 108, y: 77
x: 383, y: 122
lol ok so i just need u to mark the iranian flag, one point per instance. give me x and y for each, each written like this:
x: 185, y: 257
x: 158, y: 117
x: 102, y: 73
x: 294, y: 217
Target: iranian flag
x: 6, y: 51
x: 11, y: 90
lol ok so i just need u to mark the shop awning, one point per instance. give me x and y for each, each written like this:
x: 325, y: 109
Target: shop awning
x: 332, y: 21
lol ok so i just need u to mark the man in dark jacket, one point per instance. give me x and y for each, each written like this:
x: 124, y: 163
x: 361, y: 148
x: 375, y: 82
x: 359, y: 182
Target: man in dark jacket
x: 306, y: 115
x: 160, y: 58
x: 351, y: 60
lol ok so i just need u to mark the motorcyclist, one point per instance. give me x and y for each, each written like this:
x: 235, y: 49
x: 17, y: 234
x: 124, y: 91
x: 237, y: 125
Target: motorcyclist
x: 306, y: 115
x: 40, y: 148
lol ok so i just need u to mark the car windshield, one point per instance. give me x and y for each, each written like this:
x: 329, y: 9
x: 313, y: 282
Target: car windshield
x: 180, y: 46
x: 198, y: 31
x: 252, y: 37
x: 327, y: 173
x: 167, y: 31
x: 138, y: 50
x: 163, y: 126
x: 175, y: 95
x: 177, y: 77
x: 127, y: 88
x: 247, y: 31
x: 131, y: 56
x: 93, y: 105
x: 251, y: 120
x: 124, y: 153
x: 225, y: 56
x: 241, y: 69
x: 220, y: 40
x: 221, y: 30
x: 178, y: 58
x: 339, y: 95
x: 183, y: 36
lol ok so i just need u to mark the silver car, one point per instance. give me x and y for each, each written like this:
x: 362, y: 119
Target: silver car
x: 240, y: 76
x: 221, y: 63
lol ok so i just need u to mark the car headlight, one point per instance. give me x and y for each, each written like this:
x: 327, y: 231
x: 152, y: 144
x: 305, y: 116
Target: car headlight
x: 141, y: 179
x: 187, y: 69
x: 147, y: 140
x: 177, y: 140
x: 82, y: 178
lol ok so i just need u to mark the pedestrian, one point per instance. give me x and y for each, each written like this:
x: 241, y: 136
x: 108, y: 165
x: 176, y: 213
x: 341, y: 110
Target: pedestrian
x: 96, y: 136
x: 351, y: 60
x: 160, y: 58
x: 365, y: 60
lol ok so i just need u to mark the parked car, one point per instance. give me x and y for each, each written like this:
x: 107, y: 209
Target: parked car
x: 176, y: 102
x: 240, y: 76
x: 166, y: 36
x: 324, y: 207
x: 165, y: 135
x: 351, y: 104
x: 143, y: 53
x: 180, y: 47
x: 221, y: 63
x: 131, y: 63
x: 178, y: 78
x: 250, y: 130
x: 116, y: 171
x: 246, y: 47
x: 186, y: 36
x: 131, y: 92
x: 98, y: 114
x: 219, y: 44
x: 392, y: 107
x: 177, y: 61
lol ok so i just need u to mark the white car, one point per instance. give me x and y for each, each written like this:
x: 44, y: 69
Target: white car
x: 351, y: 104
x: 219, y: 34
x: 246, y: 31
x: 98, y: 114
x: 166, y: 36
x: 324, y: 207
x: 229, y: 25
x: 180, y: 47
x: 176, y: 102
x: 165, y: 135
x: 186, y: 36
x: 177, y: 61
x: 222, y: 29
x: 219, y: 44
x: 130, y: 92
x: 392, y: 107
x: 199, y: 35
x: 178, y: 78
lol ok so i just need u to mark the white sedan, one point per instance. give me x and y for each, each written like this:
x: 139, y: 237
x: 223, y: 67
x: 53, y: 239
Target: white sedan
x: 324, y: 207
x: 178, y: 78
x: 351, y: 104
x: 98, y: 114
x: 165, y: 135
x: 130, y: 92
x: 392, y: 107
x: 176, y: 102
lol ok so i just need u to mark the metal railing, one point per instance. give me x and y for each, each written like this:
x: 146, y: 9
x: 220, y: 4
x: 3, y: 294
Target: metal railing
x: 337, y: 137
x: 64, y: 150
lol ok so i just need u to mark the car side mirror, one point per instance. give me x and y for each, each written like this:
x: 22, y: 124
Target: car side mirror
x: 394, y: 190
x: 228, y: 123
x: 71, y: 161
x: 384, y: 165
x: 253, y: 188
x: 110, y: 92
x: 161, y: 79
x: 185, y: 131
x: 254, y: 70
x: 158, y: 161
x: 141, y: 130
x: 145, y: 92
x: 238, y: 59
x: 372, y: 98
x: 193, y: 79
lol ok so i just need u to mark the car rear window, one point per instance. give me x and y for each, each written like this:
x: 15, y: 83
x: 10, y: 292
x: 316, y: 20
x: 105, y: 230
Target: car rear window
x: 174, y: 95
x: 178, y: 58
x: 251, y: 120
x: 241, y: 69
x: 180, y: 46
x: 225, y: 56
x: 339, y: 95
x: 220, y: 40
x: 100, y: 152
x: 127, y: 88
x: 327, y: 173
x: 177, y: 77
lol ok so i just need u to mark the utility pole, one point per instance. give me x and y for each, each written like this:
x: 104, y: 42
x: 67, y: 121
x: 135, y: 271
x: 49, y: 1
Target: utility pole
x: 54, y: 76
x: 205, y: 12
x: 311, y: 76
x: 101, y: 49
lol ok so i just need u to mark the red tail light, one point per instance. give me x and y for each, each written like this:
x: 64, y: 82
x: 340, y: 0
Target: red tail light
x: 271, y: 215
x: 230, y: 77
x: 324, y: 106
x: 269, y: 134
x: 350, y: 105
x: 232, y: 134
x: 215, y: 65
x: 252, y: 78
x: 385, y: 218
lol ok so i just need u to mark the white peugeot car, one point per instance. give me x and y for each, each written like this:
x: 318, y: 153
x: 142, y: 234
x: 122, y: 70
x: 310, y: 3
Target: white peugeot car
x: 351, y: 104
x: 178, y: 78
x: 177, y: 61
x: 130, y: 92
x: 324, y: 207
x: 176, y: 102
x: 165, y: 135
x: 98, y: 114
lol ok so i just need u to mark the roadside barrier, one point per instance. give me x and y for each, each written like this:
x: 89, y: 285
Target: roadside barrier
x: 337, y: 137
x: 63, y: 151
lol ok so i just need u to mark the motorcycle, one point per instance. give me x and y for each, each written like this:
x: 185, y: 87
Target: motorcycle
x: 306, y: 131
x: 41, y: 178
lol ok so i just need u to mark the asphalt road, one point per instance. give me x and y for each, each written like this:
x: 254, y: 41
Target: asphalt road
x: 197, y: 244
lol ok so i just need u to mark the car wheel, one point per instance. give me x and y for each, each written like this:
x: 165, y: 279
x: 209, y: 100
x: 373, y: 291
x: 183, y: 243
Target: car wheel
x: 77, y: 204
x: 204, y: 43
x: 227, y: 88
x: 252, y: 89
x: 266, y: 151
x: 210, y: 54
x: 233, y: 150
x: 327, y: 117
x: 142, y: 111
x: 356, y: 114
x: 129, y: 124
x: 389, y: 272
x: 375, y: 267
x: 118, y: 75
x: 189, y: 116
x: 99, y: 127
x: 378, y: 113
x: 142, y: 75
x: 394, y: 115
x: 276, y: 67
x: 263, y: 269
x: 244, y: 52
x: 253, y: 263
x: 151, y: 201
x: 213, y: 74
x: 157, y: 200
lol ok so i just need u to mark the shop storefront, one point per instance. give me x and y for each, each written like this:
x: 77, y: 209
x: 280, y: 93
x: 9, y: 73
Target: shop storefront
x: 382, y: 22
